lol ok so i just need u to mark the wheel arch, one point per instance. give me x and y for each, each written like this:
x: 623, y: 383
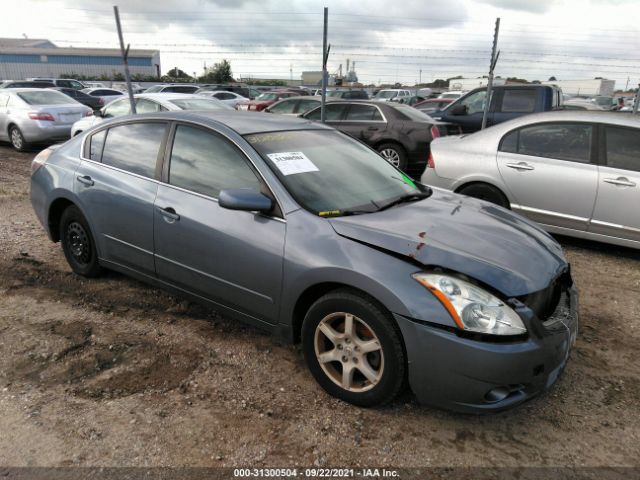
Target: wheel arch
x: 483, y: 182
x: 57, y: 207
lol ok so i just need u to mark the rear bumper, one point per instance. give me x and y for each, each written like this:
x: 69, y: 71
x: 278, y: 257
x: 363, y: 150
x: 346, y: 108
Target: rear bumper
x: 42, y: 131
x: 466, y: 375
x: 429, y: 177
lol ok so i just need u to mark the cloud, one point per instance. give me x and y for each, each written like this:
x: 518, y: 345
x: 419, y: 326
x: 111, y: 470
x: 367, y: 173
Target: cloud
x: 536, y: 6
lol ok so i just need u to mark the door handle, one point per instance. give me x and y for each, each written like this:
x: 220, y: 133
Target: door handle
x: 520, y: 166
x: 372, y: 128
x: 621, y: 181
x: 85, y: 180
x: 169, y: 213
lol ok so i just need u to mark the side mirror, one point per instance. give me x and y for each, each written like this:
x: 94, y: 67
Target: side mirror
x: 459, y: 110
x: 244, y: 199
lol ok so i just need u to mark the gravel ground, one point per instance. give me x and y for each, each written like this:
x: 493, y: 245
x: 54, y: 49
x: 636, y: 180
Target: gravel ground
x: 111, y: 372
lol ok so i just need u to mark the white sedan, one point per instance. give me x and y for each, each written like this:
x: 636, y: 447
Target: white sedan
x: 149, y: 103
x: 228, y: 98
x: 574, y: 172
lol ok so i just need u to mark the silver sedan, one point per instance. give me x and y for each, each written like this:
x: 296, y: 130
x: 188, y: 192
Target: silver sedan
x: 35, y: 115
x: 576, y: 173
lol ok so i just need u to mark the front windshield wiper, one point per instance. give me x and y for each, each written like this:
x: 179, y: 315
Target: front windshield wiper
x: 409, y: 197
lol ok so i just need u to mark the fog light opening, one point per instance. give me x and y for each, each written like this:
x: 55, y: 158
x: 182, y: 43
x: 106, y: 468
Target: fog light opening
x: 497, y: 394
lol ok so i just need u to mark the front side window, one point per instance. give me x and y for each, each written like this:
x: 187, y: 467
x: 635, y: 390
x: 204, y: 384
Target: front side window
x: 333, y: 111
x: 316, y: 167
x: 134, y: 147
x: 562, y: 141
x: 623, y: 148
x: 474, y: 102
x: 207, y: 163
x: 519, y: 101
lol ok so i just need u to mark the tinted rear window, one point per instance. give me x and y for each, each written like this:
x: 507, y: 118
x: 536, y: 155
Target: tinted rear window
x: 46, y: 97
x: 134, y: 147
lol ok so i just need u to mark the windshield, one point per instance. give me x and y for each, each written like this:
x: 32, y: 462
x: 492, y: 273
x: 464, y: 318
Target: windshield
x: 334, y: 93
x: 386, y: 94
x: 46, y: 97
x: 317, y: 167
x: 198, y: 104
x: 268, y: 96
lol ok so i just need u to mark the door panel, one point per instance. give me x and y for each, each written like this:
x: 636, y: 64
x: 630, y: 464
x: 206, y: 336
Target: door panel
x: 231, y: 257
x: 616, y: 213
x: 548, y: 191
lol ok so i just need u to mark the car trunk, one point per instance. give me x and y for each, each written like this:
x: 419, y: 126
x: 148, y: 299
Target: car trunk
x: 64, y: 114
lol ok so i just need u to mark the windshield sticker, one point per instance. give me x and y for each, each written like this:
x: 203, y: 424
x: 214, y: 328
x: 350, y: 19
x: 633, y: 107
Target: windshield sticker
x: 408, y: 181
x: 329, y: 213
x: 290, y: 163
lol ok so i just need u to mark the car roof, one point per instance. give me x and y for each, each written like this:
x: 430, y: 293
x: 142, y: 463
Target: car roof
x: 243, y: 123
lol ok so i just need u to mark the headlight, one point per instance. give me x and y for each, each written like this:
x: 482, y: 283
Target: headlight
x: 472, y: 308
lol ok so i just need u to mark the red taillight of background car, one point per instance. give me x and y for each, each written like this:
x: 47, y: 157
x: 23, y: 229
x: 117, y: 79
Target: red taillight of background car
x: 40, y: 160
x: 101, y: 101
x: 88, y: 113
x: 435, y: 133
x: 430, y: 162
x: 41, y: 116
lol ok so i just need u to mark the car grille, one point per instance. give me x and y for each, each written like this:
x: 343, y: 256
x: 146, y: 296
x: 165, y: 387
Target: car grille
x: 544, y: 302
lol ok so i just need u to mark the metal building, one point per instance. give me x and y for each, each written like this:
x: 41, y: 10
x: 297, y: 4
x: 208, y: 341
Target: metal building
x: 24, y: 58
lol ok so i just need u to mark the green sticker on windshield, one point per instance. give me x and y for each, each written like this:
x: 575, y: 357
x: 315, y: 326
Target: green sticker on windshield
x: 408, y: 181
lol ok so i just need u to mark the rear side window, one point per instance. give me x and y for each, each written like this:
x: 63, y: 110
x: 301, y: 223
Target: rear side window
x: 96, y: 142
x: 285, y: 106
x: 306, y: 105
x: 623, y: 148
x: 134, y: 147
x: 363, y: 113
x: 519, y: 101
x: 562, y: 141
x: 147, y: 106
x: 509, y: 142
x: 333, y: 111
x: 207, y: 163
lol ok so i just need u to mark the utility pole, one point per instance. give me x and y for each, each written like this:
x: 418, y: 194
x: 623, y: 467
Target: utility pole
x: 325, y: 57
x: 125, y: 60
x: 492, y: 66
x: 420, y: 81
x: 636, y: 101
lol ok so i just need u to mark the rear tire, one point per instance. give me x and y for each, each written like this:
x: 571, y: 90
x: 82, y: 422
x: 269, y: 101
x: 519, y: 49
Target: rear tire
x: 354, y: 348
x: 486, y: 192
x: 77, y: 243
x: 17, y: 139
x: 394, y: 154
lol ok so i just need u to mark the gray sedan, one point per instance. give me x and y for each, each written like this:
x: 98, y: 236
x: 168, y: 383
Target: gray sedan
x: 33, y: 115
x: 575, y: 173
x: 302, y: 230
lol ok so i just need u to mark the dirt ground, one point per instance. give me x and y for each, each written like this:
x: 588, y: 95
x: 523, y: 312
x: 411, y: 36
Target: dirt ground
x: 111, y: 372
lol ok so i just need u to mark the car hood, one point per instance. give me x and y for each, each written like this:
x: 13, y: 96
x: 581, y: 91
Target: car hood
x: 469, y: 236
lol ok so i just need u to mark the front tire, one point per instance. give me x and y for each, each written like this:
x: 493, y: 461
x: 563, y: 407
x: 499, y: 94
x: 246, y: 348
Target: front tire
x: 17, y: 139
x: 394, y: 154
x: 354, y: 349
x: 77, y: 243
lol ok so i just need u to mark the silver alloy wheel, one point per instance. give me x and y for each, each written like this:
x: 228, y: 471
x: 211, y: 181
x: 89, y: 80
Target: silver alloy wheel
x: 16, y: 138
x: 349, y: 352
x: 392, y: 156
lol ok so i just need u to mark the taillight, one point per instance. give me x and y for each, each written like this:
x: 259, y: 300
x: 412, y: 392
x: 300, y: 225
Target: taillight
x: 100, y: 101
x: 435, y: 133
x: 41, y: 116
x: 430, y: 162
x: 40, y: 160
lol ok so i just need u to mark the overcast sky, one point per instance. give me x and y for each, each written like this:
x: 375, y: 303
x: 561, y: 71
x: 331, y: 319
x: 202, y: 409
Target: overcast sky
x: 390, y: 41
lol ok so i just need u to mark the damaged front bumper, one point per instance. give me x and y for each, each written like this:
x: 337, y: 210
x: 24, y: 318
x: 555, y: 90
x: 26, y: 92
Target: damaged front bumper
x: 467, y: 375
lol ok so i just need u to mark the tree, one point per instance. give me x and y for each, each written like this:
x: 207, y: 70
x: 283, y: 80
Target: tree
x: 553, y: 79
x: 177, y: 73
x: 219, y: 73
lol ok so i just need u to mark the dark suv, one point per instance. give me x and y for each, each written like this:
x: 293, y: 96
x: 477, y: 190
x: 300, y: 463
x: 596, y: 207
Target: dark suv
x: 400, y: 133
